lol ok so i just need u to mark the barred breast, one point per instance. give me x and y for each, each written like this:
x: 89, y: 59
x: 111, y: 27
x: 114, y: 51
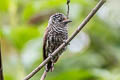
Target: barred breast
x: 55, y: 39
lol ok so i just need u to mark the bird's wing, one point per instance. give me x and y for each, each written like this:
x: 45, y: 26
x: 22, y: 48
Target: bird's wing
x: 45, y: 44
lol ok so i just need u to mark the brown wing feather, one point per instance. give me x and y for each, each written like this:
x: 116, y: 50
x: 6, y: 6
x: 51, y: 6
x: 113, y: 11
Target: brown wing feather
x: 45, y: 44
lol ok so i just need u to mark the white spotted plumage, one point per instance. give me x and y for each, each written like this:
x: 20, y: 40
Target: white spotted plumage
x: 56, y: 33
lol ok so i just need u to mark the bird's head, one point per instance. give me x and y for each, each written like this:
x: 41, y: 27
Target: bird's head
x: 59, y: 18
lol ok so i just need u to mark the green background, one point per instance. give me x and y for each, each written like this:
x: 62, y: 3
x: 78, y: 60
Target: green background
x: 92, y: 55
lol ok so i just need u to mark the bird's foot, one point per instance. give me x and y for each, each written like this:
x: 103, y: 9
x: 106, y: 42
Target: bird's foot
x: 52, y: 58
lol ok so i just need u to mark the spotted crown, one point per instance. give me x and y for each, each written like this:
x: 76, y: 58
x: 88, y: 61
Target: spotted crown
x: 57, y: 18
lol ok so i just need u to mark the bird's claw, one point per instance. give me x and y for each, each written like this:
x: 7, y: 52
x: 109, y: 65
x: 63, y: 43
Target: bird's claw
x: 52, y: 58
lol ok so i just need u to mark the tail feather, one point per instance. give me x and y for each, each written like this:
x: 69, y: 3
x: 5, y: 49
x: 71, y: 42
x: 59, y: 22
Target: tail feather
x: 50, y: 66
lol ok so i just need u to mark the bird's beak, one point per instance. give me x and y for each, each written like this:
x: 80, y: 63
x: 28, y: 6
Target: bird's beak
x: 66, y: 21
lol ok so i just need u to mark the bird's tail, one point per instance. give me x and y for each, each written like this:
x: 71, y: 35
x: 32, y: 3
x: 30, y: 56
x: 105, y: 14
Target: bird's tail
x: 50, y: 66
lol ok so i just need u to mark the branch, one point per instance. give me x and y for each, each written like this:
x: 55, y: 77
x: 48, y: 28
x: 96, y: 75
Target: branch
x: 85, y: 21
x: 68, y: 8
x: 43, y: 75
x: 1, y: 69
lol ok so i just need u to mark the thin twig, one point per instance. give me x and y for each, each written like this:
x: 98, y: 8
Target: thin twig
x: 68, y: 8
x: 43, y: 75
x: 85, y: 21
x: 1, y: 69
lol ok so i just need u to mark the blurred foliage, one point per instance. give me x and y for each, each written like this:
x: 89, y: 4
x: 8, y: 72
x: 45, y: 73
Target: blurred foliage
x: 94, y: 54
x: 0, y: 33
x: 5, y: 4
x: 19, y: 36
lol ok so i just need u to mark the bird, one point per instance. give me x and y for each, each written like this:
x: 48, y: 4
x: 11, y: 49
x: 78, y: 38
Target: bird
x: 55, y: 34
